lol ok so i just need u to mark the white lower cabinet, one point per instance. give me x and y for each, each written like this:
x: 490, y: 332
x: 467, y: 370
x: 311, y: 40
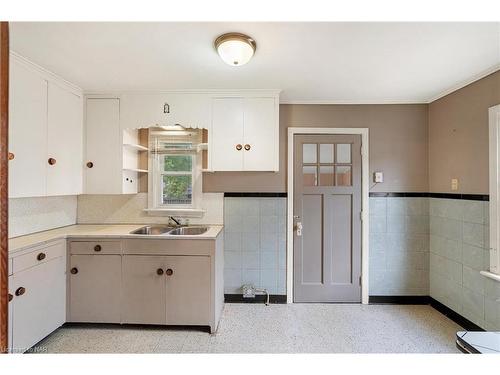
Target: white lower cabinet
x: 95, y: 288
x: 166, y: 290
x: 38, y: 306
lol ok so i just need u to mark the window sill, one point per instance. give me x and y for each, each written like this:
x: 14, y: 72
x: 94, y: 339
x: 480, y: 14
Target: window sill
x: 181, y: 212
x: 491, y: 275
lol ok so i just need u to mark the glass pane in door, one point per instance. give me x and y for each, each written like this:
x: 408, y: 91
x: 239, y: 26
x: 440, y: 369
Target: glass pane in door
x: 326, y: 176
x: 343, y: 152
x: 343, y: 175
x: 310, y: 175
x: 309, y: 153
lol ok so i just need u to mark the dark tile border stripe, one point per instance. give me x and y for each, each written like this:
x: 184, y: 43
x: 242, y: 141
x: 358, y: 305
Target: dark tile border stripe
x: 260, y: 298
x: 255, y: 195
x: 472, y: 197
x: 456, y: 317
x: 399, y: 300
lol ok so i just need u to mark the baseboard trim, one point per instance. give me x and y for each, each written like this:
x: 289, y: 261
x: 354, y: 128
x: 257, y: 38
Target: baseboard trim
x: 260, y: 298
x: 254, y: 195
x: 471, y: 197
x: 456, y: 317
x: 399, y: 300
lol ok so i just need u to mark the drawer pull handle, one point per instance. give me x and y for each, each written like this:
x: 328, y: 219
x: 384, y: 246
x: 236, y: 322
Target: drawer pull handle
x: 41, y: 256
x: 20, y: 291
x: 239, y: 147
x: 169, y: 272
x: 52, y: 161
x: 74, y: 271
x: 97, y: 248
x: 10, y: 297
x: 159, y: 271
x: 11, y: 156
x: 90, y: 164
x: 247, y: 147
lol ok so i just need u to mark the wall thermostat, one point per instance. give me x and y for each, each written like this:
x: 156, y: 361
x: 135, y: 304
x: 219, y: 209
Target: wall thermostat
x: 378, y: 177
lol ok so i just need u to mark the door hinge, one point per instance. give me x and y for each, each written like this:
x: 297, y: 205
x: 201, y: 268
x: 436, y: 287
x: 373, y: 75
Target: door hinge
x: 360, y: 281
x: 361, y: 215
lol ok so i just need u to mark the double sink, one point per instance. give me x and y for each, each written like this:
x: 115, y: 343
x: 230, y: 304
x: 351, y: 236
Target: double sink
x: 156, y: 230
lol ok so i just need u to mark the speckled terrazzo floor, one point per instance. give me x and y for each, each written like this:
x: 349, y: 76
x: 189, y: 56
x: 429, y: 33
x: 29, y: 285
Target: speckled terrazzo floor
x: 294, y: 328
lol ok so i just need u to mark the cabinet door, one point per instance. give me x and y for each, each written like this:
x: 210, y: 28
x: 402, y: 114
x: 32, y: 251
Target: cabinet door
x: 188, y: 290
x: 95, y: 288
x: 143, y: 289
x: 261, y: 135
x: 27, y: 132
x: 103, y: 147
x: 227, y: 133
x: 41, y: 306
x: 64, y: 142
x: 10, y: 311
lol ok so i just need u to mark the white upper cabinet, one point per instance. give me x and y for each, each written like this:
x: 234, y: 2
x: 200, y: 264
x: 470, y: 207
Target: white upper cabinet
x: 64, y: 142
x: 45, y: 133
x: 27, y: 132
x: 245, y: 134
x: 103, y: 163
x: 147, y: 110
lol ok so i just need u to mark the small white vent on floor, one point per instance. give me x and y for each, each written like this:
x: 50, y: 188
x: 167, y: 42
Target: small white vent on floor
x: 249, y: 291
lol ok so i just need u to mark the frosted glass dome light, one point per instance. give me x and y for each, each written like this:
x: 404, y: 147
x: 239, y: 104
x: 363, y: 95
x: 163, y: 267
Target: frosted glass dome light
x: 235, y: 49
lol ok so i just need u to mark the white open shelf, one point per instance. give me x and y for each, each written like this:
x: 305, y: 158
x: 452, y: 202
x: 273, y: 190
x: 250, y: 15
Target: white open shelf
x: 136, y: 147
x: 136, y: 170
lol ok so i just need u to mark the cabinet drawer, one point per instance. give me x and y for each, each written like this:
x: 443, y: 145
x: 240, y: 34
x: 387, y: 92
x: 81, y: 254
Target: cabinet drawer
x: 39, y: 256
x: 95, y: 247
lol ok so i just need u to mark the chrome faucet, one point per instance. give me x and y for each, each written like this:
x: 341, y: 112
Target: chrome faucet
x: 177, y: 222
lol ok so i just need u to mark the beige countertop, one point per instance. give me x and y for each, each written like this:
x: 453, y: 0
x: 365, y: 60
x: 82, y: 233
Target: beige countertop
x: 98, y: 231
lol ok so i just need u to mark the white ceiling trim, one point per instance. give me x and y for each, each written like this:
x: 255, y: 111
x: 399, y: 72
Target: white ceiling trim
x: 353, y: 102
x: 461, y: 85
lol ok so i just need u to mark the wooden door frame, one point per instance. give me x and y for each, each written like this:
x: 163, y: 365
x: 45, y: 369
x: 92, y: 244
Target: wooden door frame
x: 365, y: 214
x: 4, y: 169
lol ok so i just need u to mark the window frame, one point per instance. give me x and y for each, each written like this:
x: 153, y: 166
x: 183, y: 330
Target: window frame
x: 158, y: 180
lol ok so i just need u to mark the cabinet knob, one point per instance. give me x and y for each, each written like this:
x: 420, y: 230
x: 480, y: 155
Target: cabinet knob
x: 11, y: 156
x: 97, y: 248
x: 41, y: 256
x: 166, y: 108
x: 90, y: 164
x: 159, y: 271
x: 247, y: 147
x: 239, y: 147
x: 169, y: 272
x: 74, y: 271
x: 52, y: 161
x: 20, y: 291
x: 10, y: 297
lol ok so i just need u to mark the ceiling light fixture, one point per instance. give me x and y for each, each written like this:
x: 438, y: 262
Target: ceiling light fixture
x: 235, y: 49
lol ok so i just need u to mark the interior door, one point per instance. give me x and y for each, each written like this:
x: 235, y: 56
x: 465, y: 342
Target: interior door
x: 327, y: 213
x: 188, y: 290
x: 64, y: 142
x: 144, y: 289
x: 227, y: 134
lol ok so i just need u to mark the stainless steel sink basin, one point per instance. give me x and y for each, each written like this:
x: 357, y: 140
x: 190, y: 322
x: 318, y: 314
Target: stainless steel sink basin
x: 152, y: 230
x: 188, y: 231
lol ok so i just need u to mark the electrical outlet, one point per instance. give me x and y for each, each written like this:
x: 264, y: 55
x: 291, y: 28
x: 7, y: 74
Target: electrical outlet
x: 454, y: 184
x: 378, y: 177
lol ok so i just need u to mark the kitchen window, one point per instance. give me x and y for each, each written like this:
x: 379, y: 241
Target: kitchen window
x: 175, y: 181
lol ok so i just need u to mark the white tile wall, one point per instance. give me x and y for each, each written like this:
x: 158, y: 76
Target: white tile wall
x: 459, y: 250
x: 255, y: 244
x: 399, y: 246
x: 29, y: 215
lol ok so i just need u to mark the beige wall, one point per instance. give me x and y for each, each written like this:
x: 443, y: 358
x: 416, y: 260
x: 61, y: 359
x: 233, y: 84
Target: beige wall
x: 458, y: 137
x: 398, y: 146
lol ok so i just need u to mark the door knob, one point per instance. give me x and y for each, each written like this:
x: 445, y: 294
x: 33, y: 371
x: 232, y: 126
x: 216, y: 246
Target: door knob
x: 52, y: 161
x: 159, y: 271
x: 239, y: 147
x: 90, y: 164
x: 74, y: 271
x: 20, y: 291
x: 298, y: 227
x: 247, y: 147
x: 11, y: 156
x: 40, y: 256
x: 169, y: 272
x: 97, y: 248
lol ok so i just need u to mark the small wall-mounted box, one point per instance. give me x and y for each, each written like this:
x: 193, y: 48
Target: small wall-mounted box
x: 378, y: 177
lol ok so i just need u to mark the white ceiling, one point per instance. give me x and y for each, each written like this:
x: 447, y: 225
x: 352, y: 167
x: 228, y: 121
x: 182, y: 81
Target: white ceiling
x: 310, y: 62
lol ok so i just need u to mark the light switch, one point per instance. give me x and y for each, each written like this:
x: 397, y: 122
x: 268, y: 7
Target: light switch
x: 454, y: 184
x: 378, y: 177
